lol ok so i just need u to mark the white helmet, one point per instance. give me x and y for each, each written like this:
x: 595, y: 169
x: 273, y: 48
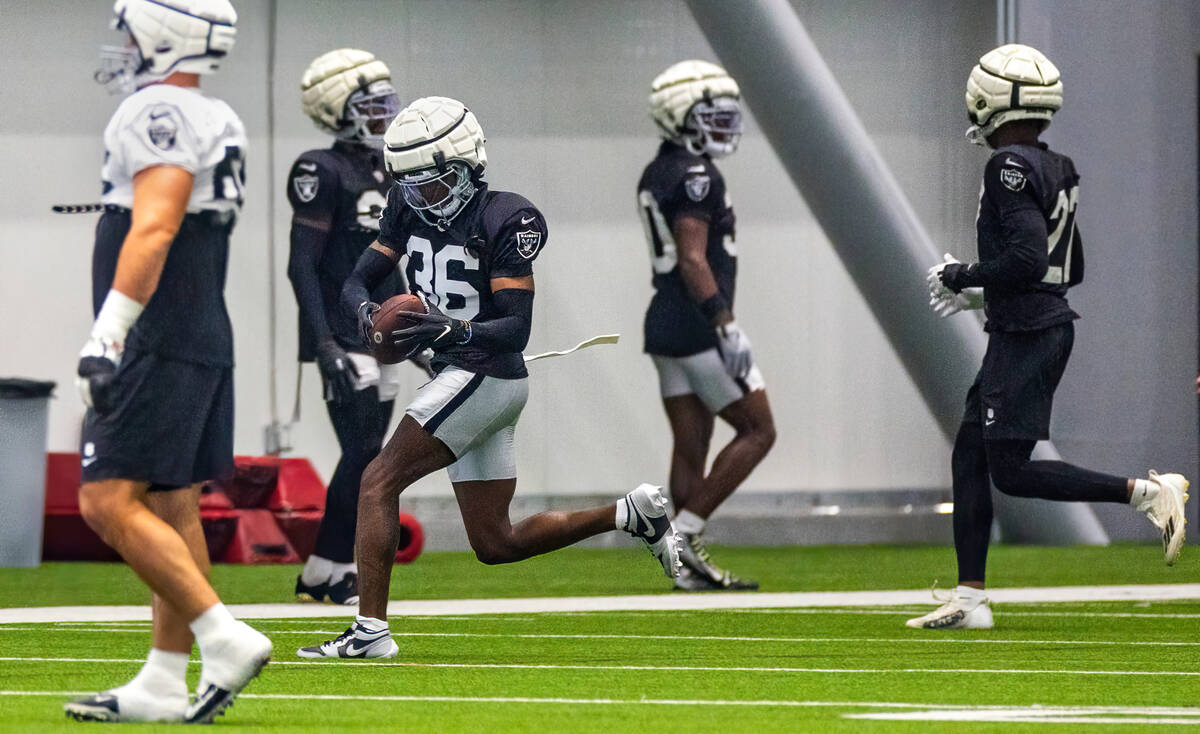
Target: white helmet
x: 166, y: 36
x: 434, y: 151
x: 349, y: 93
x: 1013, y: 82
x: 697, y: 105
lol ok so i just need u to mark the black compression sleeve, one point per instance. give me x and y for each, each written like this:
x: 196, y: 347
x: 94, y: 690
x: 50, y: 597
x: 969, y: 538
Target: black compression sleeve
x: 372, y: 267
x: 307, y: 246
x: 509, y: 332
x: 1024, y: 259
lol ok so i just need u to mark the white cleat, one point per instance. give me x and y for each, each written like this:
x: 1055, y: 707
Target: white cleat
x: 1166, y: 512
x: 131, y: 703
x: 956, y: 614
x: 228, y: 665
x: 356, y: 643
x: 646, y: 519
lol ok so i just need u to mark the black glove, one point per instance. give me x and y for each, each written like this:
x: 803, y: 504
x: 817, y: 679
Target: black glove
x: 97, y: 372
x: 955, y: 276
x: 337, y: 371
x: 431, y: 330
x: 366, y: 311
x: 424, y: 362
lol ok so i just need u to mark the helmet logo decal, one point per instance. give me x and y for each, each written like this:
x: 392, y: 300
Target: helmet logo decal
x: 697, y: 186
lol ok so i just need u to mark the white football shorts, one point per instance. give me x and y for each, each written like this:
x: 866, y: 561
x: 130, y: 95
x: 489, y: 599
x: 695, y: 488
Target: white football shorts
x: 476, y: 417
x: 704, y: 375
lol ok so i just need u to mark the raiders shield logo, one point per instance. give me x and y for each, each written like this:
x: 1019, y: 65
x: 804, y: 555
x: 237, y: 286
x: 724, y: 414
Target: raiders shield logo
x: 697, y: 186
x: 305, y: 187
x: 528, y: 243
x: 162, y: 128
x: 1012, y: 179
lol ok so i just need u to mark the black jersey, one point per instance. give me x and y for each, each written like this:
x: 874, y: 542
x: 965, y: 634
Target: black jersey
x: 498, y: 235
x: 185, y: 319
x: 1030, y: 250
x: 680, y: 184
x: 345, y: 186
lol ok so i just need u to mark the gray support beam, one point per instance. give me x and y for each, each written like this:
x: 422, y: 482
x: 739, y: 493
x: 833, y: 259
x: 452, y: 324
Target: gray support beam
x: 874, y: 230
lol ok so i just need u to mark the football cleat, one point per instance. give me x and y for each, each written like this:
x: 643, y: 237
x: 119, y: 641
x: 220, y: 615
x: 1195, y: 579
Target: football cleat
x: 704, y: 574
x: 356, y: 643
x: 127, y: 704
x: 229, y: 664
x: 646, y: 519
x: 345, y: 591
x: 1166, y: 512
x: 956, y: 614
x: 314, y: 593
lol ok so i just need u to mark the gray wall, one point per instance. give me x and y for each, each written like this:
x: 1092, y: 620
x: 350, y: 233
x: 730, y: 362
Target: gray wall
x: 1127, y: 402
x: 560, y: 90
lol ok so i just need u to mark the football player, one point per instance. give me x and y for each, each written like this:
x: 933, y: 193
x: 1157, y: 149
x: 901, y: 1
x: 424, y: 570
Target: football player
x: 469, y: 256
x: 337, y: 195
x: 703, y: 358
x: 1030, y: 253
x: 157, y: 371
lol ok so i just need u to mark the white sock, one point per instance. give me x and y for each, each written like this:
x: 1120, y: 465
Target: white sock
x: 339, y: 571
x: 622, y: 515
x: 163, y: 668
x: 317, y: 570
x: 1144, y: 492
x: 370, y: 623
x: 690, y: 523
x: 211, y: 624
x: 969, y: 594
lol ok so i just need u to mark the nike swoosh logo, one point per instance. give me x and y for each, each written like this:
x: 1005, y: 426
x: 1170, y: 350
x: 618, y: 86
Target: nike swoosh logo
x: 159, y: 116
x: 696, y: 169
x: 89, y: 461
x: 1011, y: 162
x: 990, y: 422
x: 527, y: 220
x: 307, y: 166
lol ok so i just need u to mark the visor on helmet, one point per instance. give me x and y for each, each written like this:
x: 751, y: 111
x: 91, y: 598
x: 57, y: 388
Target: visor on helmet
x: 369, y: 111
x: 437, y: 195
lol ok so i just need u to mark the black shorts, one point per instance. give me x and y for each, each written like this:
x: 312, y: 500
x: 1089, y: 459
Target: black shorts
x: 1014, y: 390
x: 172, y: 425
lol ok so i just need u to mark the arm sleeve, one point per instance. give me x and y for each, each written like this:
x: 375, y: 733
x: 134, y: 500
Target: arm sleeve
x: 509, y: 331
x: 311, y: 191
x: 1023, y: 258
x: 372, y: 267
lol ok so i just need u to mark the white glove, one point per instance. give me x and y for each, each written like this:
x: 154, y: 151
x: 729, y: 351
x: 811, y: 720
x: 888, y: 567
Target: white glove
x: 734, y: 347
x: 98, y: 363
x: 934, y: 279
x: 948, y: 303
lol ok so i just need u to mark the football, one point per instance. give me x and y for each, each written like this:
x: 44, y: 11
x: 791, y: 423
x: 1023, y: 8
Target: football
x: 389, y: 317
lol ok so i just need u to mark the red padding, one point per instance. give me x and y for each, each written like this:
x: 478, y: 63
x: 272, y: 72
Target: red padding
x: 300, y: 527
x: 299, y: 487
x: 412, y: 539
x: 258, y: 539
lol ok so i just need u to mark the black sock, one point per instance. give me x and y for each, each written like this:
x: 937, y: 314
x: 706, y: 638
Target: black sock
x: 972, y: 503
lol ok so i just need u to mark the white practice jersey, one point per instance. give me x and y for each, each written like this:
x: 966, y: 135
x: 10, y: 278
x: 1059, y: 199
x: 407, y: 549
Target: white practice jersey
x: 163, y: 124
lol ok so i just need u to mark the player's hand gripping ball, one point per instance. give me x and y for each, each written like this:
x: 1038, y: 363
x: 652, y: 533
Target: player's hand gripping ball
x: 390, y: 317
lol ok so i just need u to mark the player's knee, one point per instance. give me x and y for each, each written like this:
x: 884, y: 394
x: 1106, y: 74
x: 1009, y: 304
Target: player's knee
x: 381, y: 478
x: 99, y: 508
x: 494, y: 551
x: 1008, y: 480
x: 764, y: 436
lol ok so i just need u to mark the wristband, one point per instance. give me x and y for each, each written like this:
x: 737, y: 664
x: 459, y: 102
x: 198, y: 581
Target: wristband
x: 712, y: 306
x: 116, y: 317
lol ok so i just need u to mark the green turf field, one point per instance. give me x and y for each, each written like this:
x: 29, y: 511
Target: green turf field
x: 733, y: 670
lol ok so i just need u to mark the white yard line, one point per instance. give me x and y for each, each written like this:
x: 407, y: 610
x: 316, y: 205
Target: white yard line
x: 659, y: 668
x: 647, y: 602
x: 923, y: 640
